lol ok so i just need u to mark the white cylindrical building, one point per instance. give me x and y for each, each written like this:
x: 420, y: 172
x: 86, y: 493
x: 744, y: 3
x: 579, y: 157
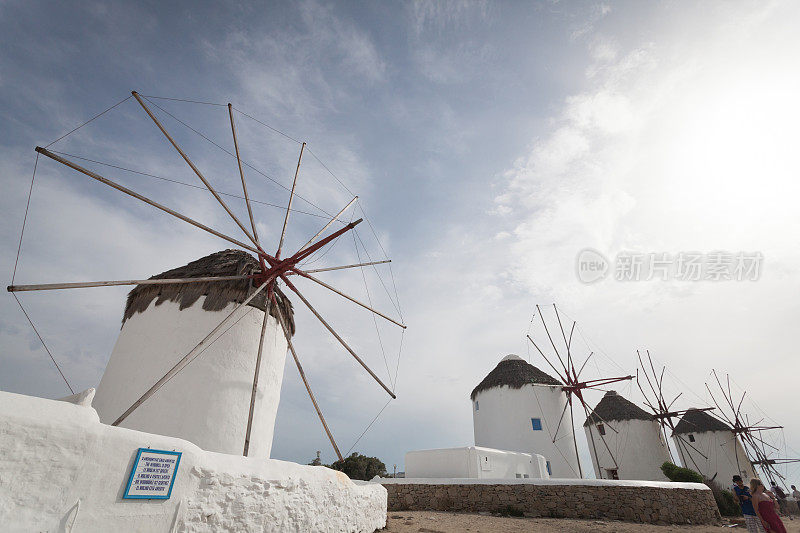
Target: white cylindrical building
x: 625, y: 441
x: 709, y: 446
x: 208, y: 402
x: 517, y: 407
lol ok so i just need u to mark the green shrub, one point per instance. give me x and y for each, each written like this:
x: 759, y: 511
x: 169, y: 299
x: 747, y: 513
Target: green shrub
x: 358, y: 466
x: 725, y: 501
x: 677, y: 473
x: 727, y: 505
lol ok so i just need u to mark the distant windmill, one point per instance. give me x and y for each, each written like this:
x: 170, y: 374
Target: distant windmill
x: 757, y: 449
x: 573, y: 386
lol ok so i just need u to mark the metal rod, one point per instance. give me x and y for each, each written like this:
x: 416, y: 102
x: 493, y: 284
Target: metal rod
x: 541, y: 316
x: 194, y: 168
x: 340, y: 293
x: 87, y: 284
x: 146, y: 200
x: 308, y: 387
x: 575, y: 440
x: 544, y: 356
x: 560, y: 420
x: 566, y: 343
x: 348, y: 266
x: 302, y: 254
x: 584, y: 364
x: 241, y: 173
x: 602, y: 438
x: 341, y: 340
x: 291, y: 198
x: 187, y: 358
x: 331, y: 221
x: 254, y: 392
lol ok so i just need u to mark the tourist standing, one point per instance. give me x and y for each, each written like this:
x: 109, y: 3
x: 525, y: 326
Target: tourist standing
x: 796, y: 496
x: 781, y: 496
x: 742, y: 496
x: 764, y: 507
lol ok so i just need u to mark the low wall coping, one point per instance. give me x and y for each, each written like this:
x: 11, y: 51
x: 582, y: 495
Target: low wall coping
x: 545, y: 482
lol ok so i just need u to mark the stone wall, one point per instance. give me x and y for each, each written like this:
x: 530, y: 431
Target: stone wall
x: 651, y: 502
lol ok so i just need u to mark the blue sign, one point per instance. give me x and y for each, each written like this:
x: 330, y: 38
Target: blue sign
x: 152, y: 475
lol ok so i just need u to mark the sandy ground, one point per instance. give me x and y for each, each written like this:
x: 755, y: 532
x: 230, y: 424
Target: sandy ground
x: 438, y: 522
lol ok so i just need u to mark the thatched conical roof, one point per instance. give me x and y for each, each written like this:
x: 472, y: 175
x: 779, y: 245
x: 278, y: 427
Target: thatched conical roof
x: 513, y: 372
x: 218, y: 293
x: 697, y: 421
x: 614, y: 407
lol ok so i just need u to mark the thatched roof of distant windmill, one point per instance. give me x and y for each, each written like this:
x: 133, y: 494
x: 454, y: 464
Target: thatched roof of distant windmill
x: 696, y: 421
x: 513, y: 372
x: 218, y: 294
x: 614, y: 407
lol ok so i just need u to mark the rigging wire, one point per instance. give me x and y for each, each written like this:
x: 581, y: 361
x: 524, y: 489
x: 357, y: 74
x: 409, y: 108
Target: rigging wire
x: 90, y: 120
x: 43, y: 344
x: 319, y: 254
x: 177, y: 182
x: 369, y: 426
x: 275, y: 181
x: 183, y: 100
x: 14, y: 274
x: 326, y: 168
x: 276, y: 130
x: 25, y: 218
x: 395, y: 305
x: 374, y: 320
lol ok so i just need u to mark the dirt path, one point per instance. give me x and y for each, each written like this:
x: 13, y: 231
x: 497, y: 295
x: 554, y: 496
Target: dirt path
x: 437, y: 522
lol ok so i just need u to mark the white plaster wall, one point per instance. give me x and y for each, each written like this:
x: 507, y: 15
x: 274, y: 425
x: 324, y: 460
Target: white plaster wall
x: 721, y: 449
x: 638, y: 447
x: 208, y: 402
x: 474, y: 462
x: 503, y: 422
x: 62, y: 470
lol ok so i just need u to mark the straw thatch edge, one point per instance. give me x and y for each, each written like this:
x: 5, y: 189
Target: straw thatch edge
x: 613, y: 407
x: 513, y: 373
x: 218, y: 294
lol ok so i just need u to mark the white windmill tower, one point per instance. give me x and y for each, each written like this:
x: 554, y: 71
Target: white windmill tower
x: 200, y: 355
x: 208, y: 402
x: 639, y: 448
x: 511, y: 409
x: 715, y: 450
x: 751, y: 450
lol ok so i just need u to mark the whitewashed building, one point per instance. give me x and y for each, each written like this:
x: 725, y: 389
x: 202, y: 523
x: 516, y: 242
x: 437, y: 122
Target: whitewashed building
x: 474, y: 462
x: 709, y: 446
x: 208, y: 402
x: 625, y: 441
x: 517, y: 407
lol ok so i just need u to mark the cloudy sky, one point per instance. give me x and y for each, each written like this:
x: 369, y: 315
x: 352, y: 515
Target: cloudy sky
x: 489, y: 144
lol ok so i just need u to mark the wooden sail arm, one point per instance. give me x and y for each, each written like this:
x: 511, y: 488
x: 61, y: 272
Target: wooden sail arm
x: 337, y: 336
x: 241, y: 174
x: 129, y: 192
x: 196, y: 170
x: 331, y: 221
x: 288, y: 336
x: 291, y: 199
x: 87, y: 284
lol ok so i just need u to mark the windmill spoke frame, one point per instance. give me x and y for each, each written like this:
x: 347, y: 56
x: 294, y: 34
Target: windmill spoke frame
x: 662, y: 409
x: 749, y: 435
x: 273, y: 269
x: 573, y: 386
